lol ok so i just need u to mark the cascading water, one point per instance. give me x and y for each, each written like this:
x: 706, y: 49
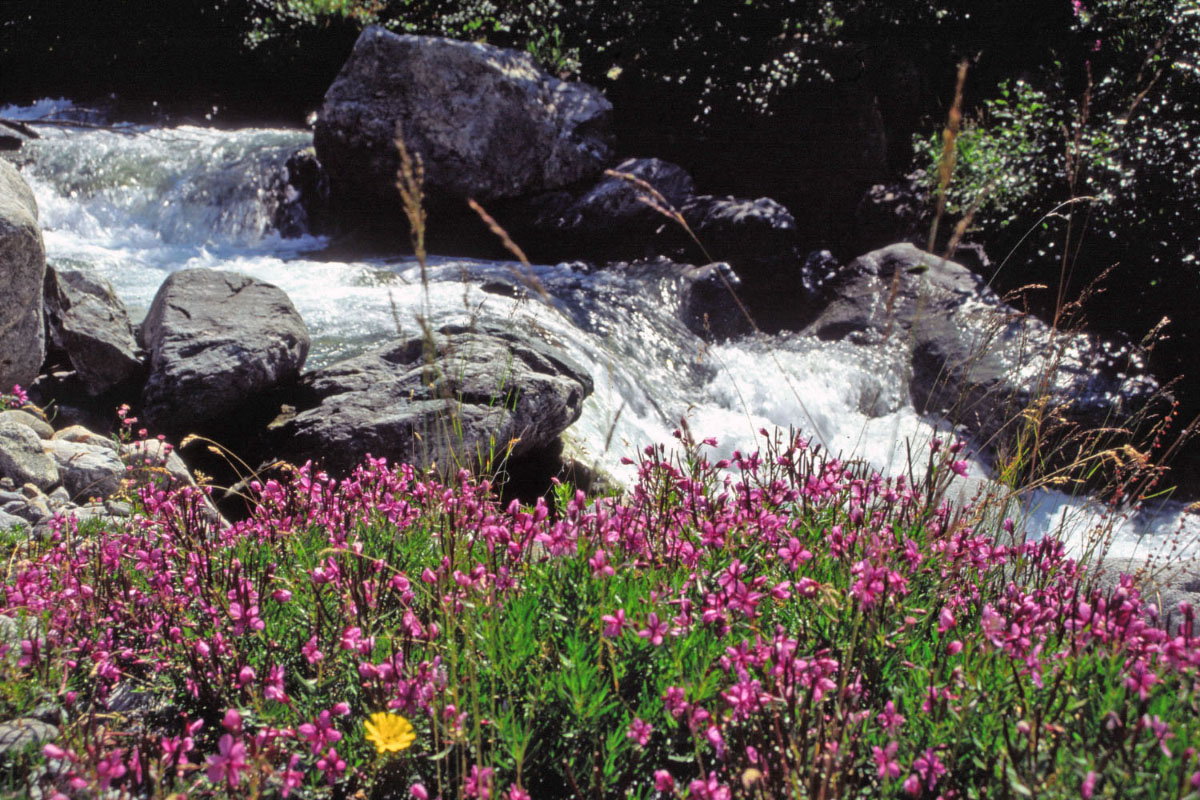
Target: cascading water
x: 135, y: 203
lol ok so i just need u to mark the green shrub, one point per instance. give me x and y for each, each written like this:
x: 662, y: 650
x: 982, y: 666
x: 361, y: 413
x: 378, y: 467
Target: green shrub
x: 1114, y: 120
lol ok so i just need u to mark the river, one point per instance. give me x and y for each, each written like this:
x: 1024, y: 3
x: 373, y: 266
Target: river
x: 135, y: 203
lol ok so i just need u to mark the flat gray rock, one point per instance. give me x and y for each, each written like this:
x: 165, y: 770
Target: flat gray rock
x: 81, y: 435
x: 216, y: 339
x: 22, y: 457
x: 16, y: 734
x: 10, y: 521
x: 31, y: 421
x: 22, y: 269
x: 1165, y: 585
x: 478, y: 394
x: 86, y: 470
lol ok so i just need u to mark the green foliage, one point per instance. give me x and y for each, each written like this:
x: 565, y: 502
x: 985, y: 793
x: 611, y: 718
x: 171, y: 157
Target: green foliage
x: 790, y: 627
x: 1014, y: 150
x: 1113, y: 119
x: 712, y: 56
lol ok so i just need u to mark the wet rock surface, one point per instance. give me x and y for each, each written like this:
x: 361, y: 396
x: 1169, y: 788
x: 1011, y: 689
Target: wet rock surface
x: 619, y: 217
x: 479, y: 396
x: 976, y: 359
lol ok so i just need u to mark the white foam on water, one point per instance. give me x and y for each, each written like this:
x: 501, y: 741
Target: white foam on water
x: 139, y: 204
x: 45, y: 108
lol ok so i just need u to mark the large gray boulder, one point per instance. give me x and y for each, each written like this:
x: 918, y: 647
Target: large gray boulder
x: 644, y: 209
x: 461, y: 404
x: 216, y: 339
x: 10, y: 521
x: 486, y: 122
x: 88, y: 324
x: 974, y: 358
x: 22, y: 268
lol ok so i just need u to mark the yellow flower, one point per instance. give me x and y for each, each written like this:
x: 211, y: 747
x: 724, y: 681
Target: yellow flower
x: 390, y: 733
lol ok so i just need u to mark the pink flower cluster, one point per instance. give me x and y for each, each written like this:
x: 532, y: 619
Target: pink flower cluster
x: 806, y: 570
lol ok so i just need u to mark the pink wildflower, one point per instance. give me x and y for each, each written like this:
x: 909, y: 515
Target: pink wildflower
x: 232, y: 721
x: 946, y: 620
x: 310, y: 651
x: 274, y: 688
x: 712, y: 789
x: 109, y: 769
x: 889, y: 719
x: 292, y: 777
x: 614, y: 623
x: 246, y: 676
x: 716, y: 740
x: 885, y: 760
x: 675, y: 701
x: 929, y: 767
x: 229, y: 761
x: 654, y: 630
x: 639, y: 731
x: 663, y: 781
x: 1161, y: 730
x: 331, y: 764
x: 600, y: 566
x: 479, y: 783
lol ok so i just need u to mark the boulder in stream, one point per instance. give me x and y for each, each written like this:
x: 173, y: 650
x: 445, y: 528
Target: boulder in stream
x: 736, y: 227
x: 22, y: 269
x: 486, y: 122
x: 974, y: 358
x: 88, y: 324
x: 463, y: 403
x: 609, y: 220
x: 217, y: 339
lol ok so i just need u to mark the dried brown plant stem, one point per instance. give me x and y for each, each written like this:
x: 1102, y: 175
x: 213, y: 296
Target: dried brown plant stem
x: 949, y: 153
x: 527, y: 277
